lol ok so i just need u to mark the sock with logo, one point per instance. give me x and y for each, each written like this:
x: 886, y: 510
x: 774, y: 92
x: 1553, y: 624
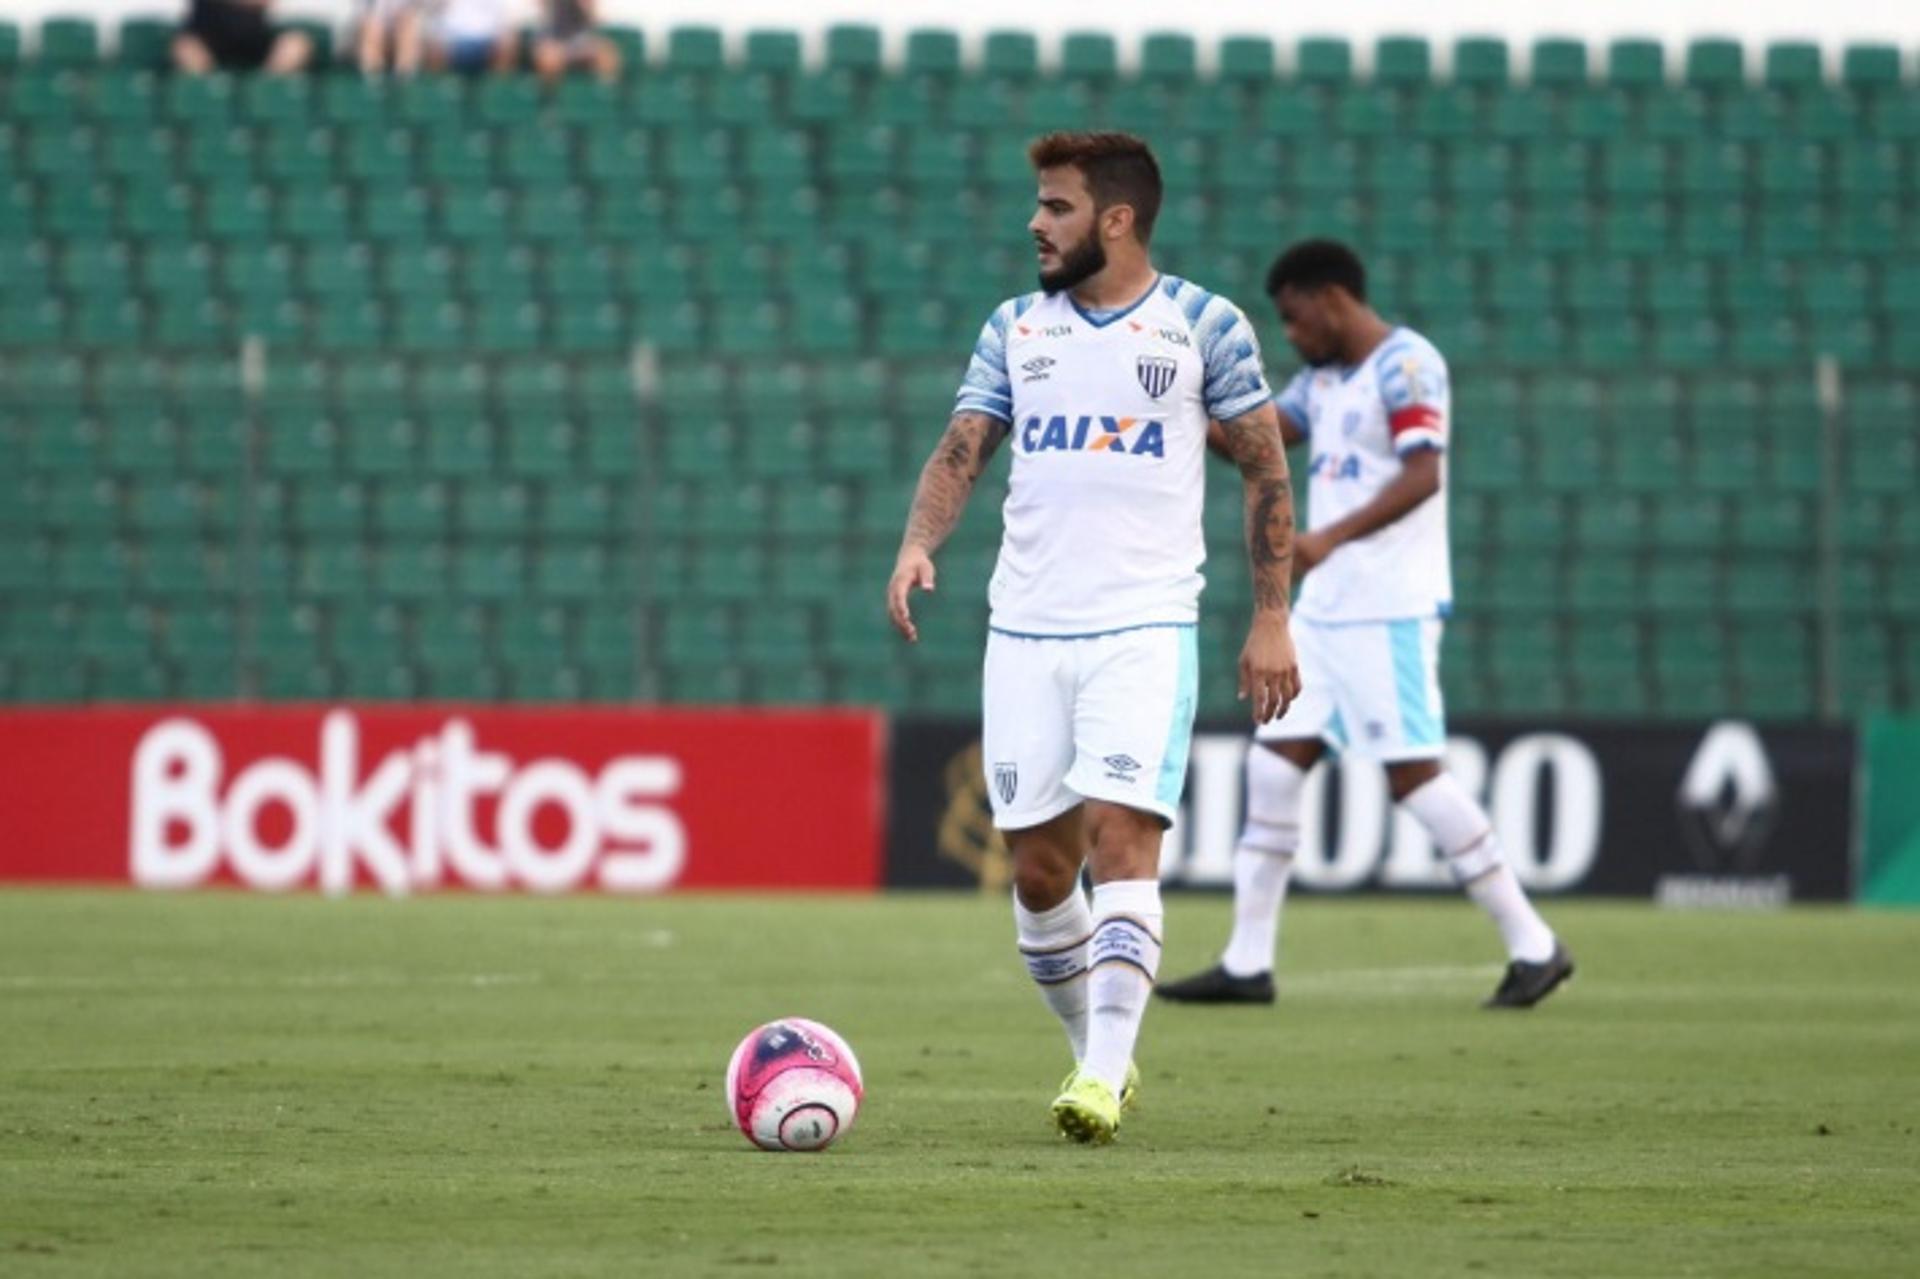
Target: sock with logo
x: 1263, y: 861
x: 1461, y: 830
x: 1054, y: 944
x: 1123, y: 959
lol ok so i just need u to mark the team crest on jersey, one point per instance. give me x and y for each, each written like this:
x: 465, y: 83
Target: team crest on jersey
x: 1006, y: 782
x: 1156, y: 373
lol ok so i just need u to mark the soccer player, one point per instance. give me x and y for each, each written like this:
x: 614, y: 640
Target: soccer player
x: 1373, y: 405
x: 1102, y: 386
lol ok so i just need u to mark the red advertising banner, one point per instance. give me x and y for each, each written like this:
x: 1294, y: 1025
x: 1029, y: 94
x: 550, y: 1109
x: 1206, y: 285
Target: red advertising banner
x: 402, y: 799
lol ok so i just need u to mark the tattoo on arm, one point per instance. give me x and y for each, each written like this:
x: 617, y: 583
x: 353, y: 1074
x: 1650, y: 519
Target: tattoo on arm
x: 1254, y: 440
x: 947, y: 479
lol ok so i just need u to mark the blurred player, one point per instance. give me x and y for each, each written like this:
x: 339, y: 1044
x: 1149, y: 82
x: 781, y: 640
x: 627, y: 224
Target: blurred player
x: 1104, y: 382
x: 1373, y: 403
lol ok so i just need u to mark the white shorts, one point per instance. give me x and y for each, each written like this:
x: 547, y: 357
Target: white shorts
x: 1369, y: 689
x: 1109, y: 717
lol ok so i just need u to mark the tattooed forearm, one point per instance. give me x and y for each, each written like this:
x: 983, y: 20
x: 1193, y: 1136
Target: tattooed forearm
x: 947, y: 479
x: 1254, y: 440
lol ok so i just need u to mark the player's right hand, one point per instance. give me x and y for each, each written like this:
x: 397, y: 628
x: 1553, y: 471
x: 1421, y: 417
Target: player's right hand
x: 913, y: 568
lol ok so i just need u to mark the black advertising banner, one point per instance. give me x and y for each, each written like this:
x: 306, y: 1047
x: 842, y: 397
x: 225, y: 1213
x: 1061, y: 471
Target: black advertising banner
x: 1728, y: 813
x: 939, y: 829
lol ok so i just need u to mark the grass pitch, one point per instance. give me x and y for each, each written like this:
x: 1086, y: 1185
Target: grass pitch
x: 224, y: 1084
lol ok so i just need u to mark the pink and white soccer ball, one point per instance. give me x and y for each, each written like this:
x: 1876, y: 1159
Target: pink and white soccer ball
x: 793, y: 1084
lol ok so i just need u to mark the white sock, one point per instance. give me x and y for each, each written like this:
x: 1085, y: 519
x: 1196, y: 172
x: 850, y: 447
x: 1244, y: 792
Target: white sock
x: 1259, y: 890
x: 1263, y: 861
x: 1123, y: 961
x: 1054, y: 944
x: 1462, y: 831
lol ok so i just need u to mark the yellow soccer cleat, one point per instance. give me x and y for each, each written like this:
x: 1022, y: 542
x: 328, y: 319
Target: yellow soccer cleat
x: 1129, y: 1091
x: 1086, y: 1111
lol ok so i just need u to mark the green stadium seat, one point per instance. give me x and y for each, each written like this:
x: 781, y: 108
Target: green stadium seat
x: 1793, y: 66
x: 933, y: 52
x: 1402, y: 61
x: 1870, y: 169
x: 43, y: 95
x: 825, y: 98
x: 1449, y: 112
x: 129, y: 103
x: 1369, y: 113
x: 1246, y: 60
x: 1636, y: 64
x: 854, y: 47
x: 200, y: 102
x: 1481, y: 62
x: 1558, y: 63
x: 504, y: 101
x: 1598, y: 114
x: 1169, y: 56
x: 1010, y: 55
x: 695, y: 49
x: 906, y: 102
x: 430, y: 102
x: 277, y: 100
x: 1715, y: 65
x: 71, y: 43
x: 377, y: 155
x: 591, y: 105
x: 408, y: 508
x: 1519, y: 115
x: 1323, y: 60
x: 1870, y: 68
x: 1822, y: 114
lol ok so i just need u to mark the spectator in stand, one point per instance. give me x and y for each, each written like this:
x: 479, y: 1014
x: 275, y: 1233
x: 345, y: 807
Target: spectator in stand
x: 390, y: 36
x: 234, y: 35
x: 567, y: 40
x: 472, y: 36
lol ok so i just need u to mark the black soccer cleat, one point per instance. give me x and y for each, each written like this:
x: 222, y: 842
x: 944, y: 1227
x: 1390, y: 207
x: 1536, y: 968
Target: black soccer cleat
x: 1527, y: 984
x: 1218, y: 986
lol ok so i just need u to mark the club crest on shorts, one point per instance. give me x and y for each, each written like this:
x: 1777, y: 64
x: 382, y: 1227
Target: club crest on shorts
x: 1156, y: 373
x: 1006, y: 782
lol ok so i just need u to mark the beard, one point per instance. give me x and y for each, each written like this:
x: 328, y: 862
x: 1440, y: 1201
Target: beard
x: 1083, y: 261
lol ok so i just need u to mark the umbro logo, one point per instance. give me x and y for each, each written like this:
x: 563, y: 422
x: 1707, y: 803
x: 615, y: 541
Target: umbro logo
x: 1036, y: 368
x: 1121, y: 768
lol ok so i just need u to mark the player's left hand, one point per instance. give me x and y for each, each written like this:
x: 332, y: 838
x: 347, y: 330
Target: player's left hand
x: 1310, y: 550
x: 1269, y: 672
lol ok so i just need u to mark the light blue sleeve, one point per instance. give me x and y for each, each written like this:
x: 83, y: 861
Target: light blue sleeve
x: 1236, y: 382
x: 1292, y: 401
x: 986, y: 388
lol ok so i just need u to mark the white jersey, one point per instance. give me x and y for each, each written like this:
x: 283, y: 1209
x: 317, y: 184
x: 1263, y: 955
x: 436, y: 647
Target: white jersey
x: 1107, y: 415
x: 1359, y: 423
